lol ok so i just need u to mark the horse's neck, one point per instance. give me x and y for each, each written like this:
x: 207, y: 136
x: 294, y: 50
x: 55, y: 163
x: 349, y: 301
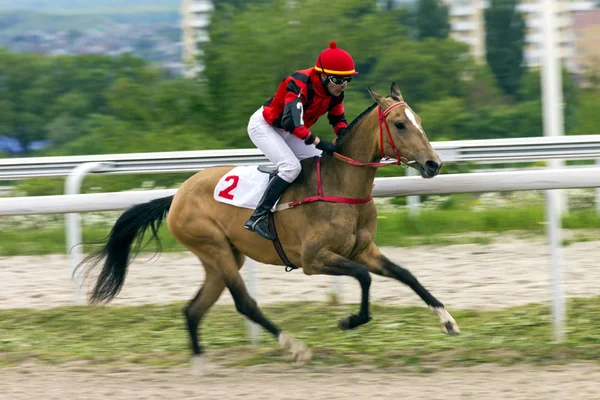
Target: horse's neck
x: 361, y: 145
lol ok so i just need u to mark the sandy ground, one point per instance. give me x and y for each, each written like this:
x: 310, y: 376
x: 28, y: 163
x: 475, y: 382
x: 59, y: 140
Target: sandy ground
x: 504, y: 273
x: 579, y: 381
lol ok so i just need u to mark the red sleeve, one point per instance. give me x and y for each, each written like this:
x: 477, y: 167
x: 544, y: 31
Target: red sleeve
x: 302, y: 132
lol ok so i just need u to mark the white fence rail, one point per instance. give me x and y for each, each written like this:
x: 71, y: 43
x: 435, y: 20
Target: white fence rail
x: 482, y: 151
x: 532, y: 179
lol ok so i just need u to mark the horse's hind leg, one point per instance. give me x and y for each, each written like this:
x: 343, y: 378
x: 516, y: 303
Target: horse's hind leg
x: 381, y: 265
x: 247, y: 306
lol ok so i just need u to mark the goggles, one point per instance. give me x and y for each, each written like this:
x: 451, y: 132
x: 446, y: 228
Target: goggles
x: 339, y: 80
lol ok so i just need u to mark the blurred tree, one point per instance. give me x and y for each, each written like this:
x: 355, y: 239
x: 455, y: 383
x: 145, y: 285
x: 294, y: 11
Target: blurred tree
x: 63, y: 129
x: 481, y: 88
x: 591, y: 77
x: 432, y: 19
x: 505, y: 40
x: 444, y: 119
x: 132, y: 101
x: 425, y: 71
x: 587, y: 118
x: 22, y: 100
x: 531, y: 91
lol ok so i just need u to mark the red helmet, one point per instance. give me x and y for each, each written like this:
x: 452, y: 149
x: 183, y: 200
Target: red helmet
x: 335, y: 61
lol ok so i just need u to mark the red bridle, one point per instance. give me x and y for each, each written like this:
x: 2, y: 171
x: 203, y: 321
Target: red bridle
x: 381, y: 115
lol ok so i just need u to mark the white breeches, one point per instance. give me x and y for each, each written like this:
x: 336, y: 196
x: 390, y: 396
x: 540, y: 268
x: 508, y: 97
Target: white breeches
x: 280, y: 146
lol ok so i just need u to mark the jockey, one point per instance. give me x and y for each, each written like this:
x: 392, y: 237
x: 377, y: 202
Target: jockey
x: 280, y: 127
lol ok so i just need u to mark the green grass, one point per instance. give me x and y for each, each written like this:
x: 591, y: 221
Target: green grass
x: 397, y: 336
x: 53, y: 241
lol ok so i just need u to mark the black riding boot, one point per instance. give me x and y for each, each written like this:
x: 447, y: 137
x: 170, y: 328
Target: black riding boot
x: 258, y: 220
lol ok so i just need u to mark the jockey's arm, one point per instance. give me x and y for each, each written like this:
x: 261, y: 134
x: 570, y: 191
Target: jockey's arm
x: 293, y: 121
x: 293, y: 112
x: 337, y: 117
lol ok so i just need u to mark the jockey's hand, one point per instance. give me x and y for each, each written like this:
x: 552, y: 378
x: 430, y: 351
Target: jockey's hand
x: 326, y: 147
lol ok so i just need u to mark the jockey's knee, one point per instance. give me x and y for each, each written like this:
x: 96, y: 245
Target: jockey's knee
x: 289, y: 171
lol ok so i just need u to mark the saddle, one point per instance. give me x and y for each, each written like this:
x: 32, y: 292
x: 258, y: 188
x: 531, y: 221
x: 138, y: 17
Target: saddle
x: 268, y: 169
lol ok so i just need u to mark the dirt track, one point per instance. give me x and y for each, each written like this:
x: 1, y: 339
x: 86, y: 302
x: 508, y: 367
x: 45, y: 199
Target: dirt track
x: 507, y: 272
x: 576, y: 381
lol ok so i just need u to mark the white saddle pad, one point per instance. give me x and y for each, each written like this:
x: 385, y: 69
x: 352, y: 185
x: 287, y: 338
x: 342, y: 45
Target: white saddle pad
x: 242, y: 187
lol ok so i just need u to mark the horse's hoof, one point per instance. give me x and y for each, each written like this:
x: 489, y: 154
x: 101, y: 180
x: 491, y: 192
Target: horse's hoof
x: 352, y: 322
x: 302, y: 355
x: 201, y: 366
x: 450, y: 328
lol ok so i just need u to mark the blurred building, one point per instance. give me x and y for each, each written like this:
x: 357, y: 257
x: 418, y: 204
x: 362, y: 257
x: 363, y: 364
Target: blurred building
x: 565, y: 13
x: 586, y: 26
x: 468, y: 25
x: 194, y: 27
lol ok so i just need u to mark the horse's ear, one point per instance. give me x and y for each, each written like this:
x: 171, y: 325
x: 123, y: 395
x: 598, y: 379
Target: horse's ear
x: 395, y: 92
x: 378, y: 98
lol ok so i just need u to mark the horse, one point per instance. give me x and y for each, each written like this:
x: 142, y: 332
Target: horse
x: 321, y: 236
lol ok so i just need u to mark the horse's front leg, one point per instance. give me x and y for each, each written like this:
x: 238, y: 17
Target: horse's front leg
x: 381, y: 265
x: 329, y: 263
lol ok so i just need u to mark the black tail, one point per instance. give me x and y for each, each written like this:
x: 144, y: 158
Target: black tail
x: 117, y: 246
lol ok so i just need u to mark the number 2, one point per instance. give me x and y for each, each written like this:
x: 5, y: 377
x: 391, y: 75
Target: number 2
x: 226, y: 193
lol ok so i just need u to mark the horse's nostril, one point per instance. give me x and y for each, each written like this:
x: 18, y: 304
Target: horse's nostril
x: 432, y: 165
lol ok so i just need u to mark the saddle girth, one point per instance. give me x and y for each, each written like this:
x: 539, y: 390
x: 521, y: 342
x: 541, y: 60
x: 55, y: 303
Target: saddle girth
x: 277, y: 244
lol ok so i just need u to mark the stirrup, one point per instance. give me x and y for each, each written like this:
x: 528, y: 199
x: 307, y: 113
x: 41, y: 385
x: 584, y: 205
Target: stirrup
x: 261, y: 226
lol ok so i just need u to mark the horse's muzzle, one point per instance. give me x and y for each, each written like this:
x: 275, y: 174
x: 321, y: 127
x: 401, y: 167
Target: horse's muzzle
x: 431, y: 168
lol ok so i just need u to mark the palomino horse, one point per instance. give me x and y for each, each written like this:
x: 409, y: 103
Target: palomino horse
x: 320, y: 237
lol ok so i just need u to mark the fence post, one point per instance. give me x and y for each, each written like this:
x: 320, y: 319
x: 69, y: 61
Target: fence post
x: 598, y: 193
x: 73, y: 224
x: 251, y: 267
x: 553, y: 217
x: 413, y: 202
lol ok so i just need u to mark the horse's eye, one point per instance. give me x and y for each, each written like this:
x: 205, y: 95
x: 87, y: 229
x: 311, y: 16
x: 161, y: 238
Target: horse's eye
x: 399, y: 124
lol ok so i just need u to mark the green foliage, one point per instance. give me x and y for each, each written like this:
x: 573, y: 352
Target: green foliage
x: 505, y: 41
x: 98, y: 104
x: 432, y: 19
x: 586, y: 118
x: 531, y: 91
